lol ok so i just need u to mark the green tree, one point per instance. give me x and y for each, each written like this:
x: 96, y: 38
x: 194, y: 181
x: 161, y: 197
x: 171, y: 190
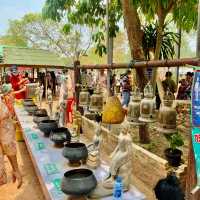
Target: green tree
x: 33, y: 31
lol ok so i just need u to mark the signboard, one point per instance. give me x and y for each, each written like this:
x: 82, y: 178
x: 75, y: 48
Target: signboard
x: 196, y: 121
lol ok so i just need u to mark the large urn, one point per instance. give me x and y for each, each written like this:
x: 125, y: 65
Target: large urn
x: 167, y: 115
x: 96, y: 101
x: 148, y: 106
x: 134, y: 108
x: 84, y: 98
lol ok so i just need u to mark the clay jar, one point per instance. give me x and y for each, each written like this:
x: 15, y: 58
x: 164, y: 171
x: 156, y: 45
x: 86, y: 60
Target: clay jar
x: 78, y: 182
x: 46, y: 126
x: 75, y: 152
x: 60, y: 135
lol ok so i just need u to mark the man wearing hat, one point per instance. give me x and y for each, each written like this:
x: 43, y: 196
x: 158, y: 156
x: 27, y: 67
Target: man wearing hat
x: 18, y: 83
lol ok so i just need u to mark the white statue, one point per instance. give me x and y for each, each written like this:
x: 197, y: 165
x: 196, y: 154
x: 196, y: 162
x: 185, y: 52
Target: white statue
x: 63, y: 89
x: 50, y: 101
x: 57, y: 114
x: 37, y: 93
x: 94, y: 148
x: 121, y: 165
x: 62, y: 114
x: 41, y: 95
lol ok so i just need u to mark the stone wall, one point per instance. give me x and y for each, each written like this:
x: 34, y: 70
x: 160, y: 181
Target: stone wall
x: 148, y: 168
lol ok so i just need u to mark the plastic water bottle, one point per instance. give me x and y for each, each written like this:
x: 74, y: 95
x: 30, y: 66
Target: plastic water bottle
x: 118, y: 189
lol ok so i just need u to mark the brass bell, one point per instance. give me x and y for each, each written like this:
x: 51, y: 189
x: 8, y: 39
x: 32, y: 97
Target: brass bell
x: 134, y: 108
x: 84, y: 98
x: 148, y: 106
x: 167, y: 115
x: 96, y: 101
x: 113, y: 113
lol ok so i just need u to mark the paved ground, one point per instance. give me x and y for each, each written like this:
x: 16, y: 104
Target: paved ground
x: 31, y: 189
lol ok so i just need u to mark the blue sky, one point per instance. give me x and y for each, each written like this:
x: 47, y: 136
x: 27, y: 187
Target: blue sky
x: 14, y: 9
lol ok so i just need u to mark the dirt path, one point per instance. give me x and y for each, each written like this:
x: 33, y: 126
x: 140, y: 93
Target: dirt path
x: 31, y: 189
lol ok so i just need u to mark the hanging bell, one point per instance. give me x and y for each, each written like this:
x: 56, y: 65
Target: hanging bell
x: 96, y: 101
x: 113, y: 113
x: 84, y: 98
x: 134, y: 108
x: 148, y: 106
x: 167, y: 115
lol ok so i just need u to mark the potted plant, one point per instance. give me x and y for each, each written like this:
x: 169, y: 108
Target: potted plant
x: 172, y: 154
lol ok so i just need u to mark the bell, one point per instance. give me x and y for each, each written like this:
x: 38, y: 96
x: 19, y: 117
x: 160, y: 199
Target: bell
x: 167, y: 115
x: 84, y: 98
x: 113, y: 113
x: 148, y: 106
x: 96, y: 101
x: 134, y: 108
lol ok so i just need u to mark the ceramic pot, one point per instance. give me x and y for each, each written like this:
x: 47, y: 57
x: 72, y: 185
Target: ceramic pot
x: 28, y: 102
x: 78, y: 182
x: 46, y: 126
x: 60, y: 135
x: 75, y: 152
x: 173, y: 157
x: 31, y: 109
x: 37, y: 118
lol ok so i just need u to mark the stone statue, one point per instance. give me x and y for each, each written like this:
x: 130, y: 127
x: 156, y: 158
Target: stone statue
x: 63, y: 107
x: 57, y: 114
x: 41, y: 95
x: 37, y: 93
x: 121, y: 165
x: 94, y: 148
x: 50, y: 101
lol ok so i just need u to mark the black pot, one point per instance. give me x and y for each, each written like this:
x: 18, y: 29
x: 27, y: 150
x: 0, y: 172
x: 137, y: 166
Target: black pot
x: 173, y: 157
x: 75, y: 152
x: 28, y: 102
x: 78, y: 182
x: 31, y: 109
x: 40, y: 117
x: 46, y: 126
x: 60, y: 135
x: 41, y: 112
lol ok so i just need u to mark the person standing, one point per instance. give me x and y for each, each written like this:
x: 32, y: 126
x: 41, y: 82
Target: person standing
x: 8, y: 146
x: 184, y: 90
x: 126, y: 88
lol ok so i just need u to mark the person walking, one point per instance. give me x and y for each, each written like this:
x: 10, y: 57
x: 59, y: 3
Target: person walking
x: 126, y: 88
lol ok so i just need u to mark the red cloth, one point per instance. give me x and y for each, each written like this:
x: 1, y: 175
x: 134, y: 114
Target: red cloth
x: 69, y: 110
x: 16, y: 85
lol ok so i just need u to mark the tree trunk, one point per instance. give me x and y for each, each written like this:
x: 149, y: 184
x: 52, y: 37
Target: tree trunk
x: 191, y: 180
x: 155, y: 79
x: 135, y: 35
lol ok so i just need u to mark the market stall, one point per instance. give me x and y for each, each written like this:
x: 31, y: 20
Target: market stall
x: 50, y: 165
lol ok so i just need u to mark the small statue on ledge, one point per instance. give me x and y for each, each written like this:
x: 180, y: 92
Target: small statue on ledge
x: 94, y: 148
x: 121, y: 165
x: 63, y: 107
x: 41, y: 95
x: 57, y: 114
x: 50, y: 101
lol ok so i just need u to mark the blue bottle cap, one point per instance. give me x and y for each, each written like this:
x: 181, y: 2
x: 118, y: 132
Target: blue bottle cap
x: 119, y: 179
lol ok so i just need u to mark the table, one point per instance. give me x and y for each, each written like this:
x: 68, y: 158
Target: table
x: 50, y: 165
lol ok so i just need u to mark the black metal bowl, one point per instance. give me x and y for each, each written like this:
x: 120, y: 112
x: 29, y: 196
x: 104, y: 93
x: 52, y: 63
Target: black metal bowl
x: 31, y: 108
x: 78, y: 182
x: 60, y: 135
x: 75, y: 152
x: 37, y: 118
x: 46, y: 126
